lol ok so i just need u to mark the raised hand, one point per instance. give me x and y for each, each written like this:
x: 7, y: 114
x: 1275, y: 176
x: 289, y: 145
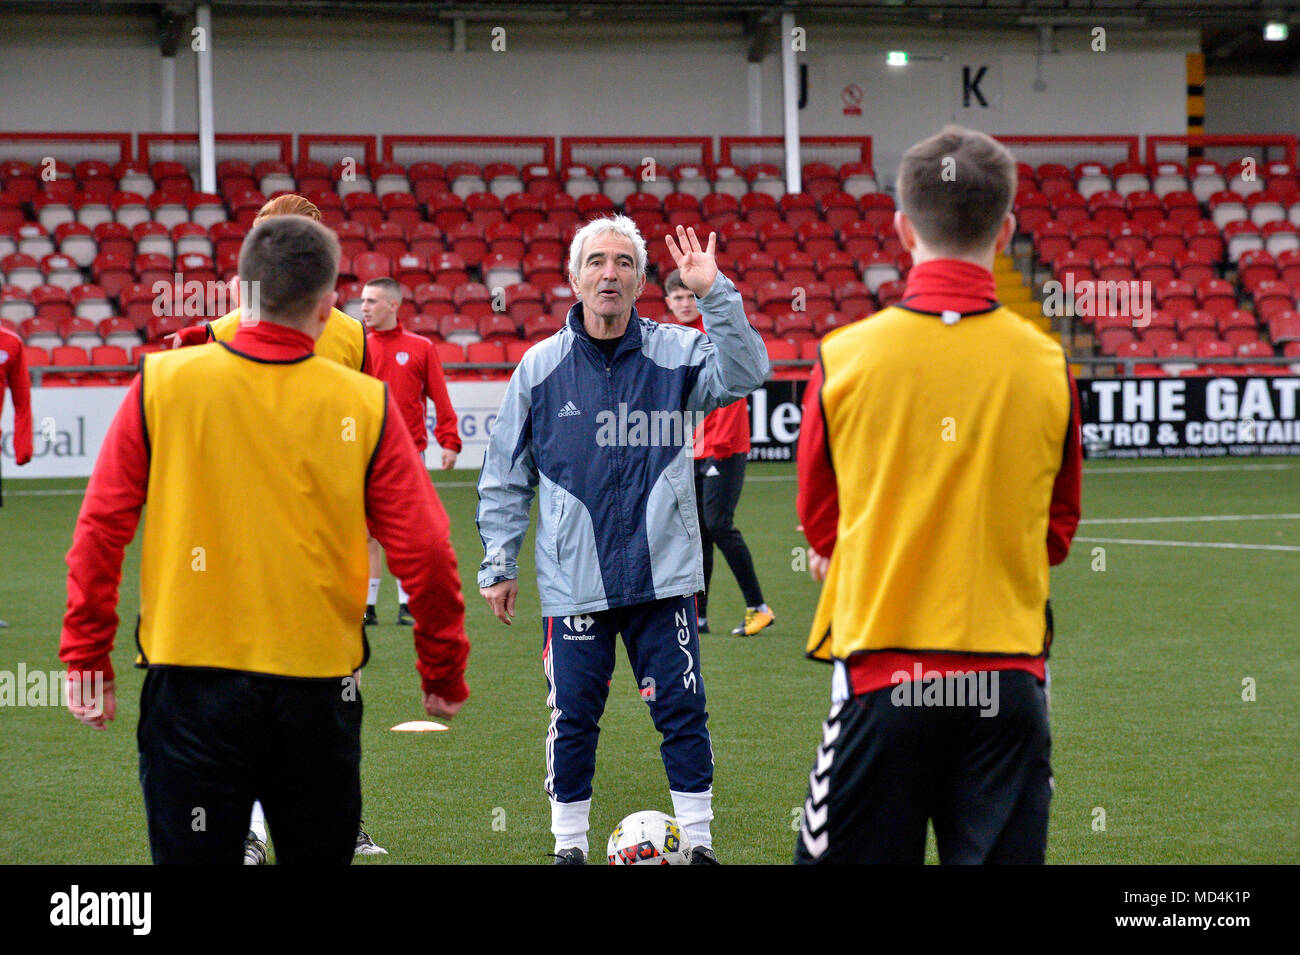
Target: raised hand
x: 698, y: 266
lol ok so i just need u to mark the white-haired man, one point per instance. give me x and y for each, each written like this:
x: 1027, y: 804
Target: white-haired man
x: 600, y: 416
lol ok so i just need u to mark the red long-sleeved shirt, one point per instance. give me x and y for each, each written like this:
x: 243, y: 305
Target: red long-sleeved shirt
x: 725, y: 431
x: 402, y: 512
x: 935, y: 286
x: 410, y: 366
x: 13, y: 375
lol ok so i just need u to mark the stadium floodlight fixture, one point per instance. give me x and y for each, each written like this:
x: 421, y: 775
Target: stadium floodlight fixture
x: 896, y: 58
x: 1276, y: 31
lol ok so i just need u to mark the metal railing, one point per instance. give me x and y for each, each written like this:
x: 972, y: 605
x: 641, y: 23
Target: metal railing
x: 38, y: 372
x: 1284, y: 366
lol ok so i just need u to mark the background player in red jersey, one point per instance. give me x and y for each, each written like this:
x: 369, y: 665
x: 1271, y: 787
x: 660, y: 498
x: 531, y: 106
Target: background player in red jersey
x: 409, y: 364
x: 13, y: 375
x: 721, y: 450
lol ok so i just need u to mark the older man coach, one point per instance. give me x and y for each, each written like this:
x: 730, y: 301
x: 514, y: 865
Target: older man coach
x: 262, y: 465
x: 589, y: 418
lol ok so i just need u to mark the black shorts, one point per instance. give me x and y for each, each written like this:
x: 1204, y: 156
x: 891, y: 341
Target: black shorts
x: 213, y: 741
x: 887, y: 765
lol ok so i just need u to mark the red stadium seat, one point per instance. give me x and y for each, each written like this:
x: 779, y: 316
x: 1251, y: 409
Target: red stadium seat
x: 719, y: 209
x: 484, y: 208
x: 778, y: 237
x: 854, y: 300
x: 547, y: 238
x: 537, y: 327
x: 1069, y: 208
x: 449, y: 352
x: 505, y: 238
x: 1128, y: 240
x: 540, y: 180
x: 388, y: 238
x: 797, y: 267
x: 1154, y: 267
x: 425, y: 240
x: 466, y: 240
x: 447, y: 211
x: 838, y: 209
x: 515, y: 350
x: 500, y: 269
x: 1177, y: 297
x: 371, y: 265
x: 562, y: 210
x: 817, y: 238
x: 497, y: 326
x: 759, y: 208
x: 739, y: 238
x: 544, y: 269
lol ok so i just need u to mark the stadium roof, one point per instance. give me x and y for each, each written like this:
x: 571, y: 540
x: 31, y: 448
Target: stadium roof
x: 1231, y: 29
x: 986, y: 12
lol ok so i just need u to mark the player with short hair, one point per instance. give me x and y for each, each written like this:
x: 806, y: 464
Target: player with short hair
x: 344, y: 341
x: 721, y: 450
x: 263, y: 467
x: 599, y: 416
x: 939, y: 473
x: 409, y: 364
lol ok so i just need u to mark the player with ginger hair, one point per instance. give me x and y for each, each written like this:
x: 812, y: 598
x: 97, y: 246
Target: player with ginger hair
x: 344, y: 338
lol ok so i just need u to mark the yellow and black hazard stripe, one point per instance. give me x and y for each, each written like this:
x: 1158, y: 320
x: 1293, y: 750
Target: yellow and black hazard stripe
x: 1195, y: 102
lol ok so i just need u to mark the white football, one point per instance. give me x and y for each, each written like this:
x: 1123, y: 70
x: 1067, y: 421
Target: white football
x: 649, y: 838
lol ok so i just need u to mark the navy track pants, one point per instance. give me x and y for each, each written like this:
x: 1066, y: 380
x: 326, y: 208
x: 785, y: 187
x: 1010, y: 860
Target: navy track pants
x: 663, y: 646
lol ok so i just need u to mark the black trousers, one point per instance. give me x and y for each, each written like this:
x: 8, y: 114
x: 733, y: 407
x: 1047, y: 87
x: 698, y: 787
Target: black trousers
x: 716, y: 497
x: 887, y: 765
x: 213, y: 741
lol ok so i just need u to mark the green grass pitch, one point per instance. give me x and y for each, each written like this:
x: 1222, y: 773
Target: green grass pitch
x: 1157, y: 756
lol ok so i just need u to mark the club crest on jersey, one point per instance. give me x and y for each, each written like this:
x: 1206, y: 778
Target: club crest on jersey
x: 403, y: 358
x: 4, y: 356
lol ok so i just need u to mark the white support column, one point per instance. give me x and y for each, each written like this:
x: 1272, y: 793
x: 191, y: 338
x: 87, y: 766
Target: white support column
x: 207, y: 130
x: 755, y: 77
x: 790, y: 91
x: 167, y: 117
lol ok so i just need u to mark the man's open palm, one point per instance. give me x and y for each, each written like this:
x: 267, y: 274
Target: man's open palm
x: 698, y: 267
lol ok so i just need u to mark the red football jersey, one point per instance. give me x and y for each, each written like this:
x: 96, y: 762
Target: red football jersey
x: 410, y: 366
x: 13, y: 375
x: 723, y: 432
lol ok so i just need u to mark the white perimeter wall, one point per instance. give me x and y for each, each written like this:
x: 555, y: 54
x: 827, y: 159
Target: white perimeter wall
x: 376, y: 76
x: 69, y: 426
x: 1253, y: 105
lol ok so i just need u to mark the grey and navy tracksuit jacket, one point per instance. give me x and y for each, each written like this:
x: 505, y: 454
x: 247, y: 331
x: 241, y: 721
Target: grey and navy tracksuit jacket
x: 618, y: 539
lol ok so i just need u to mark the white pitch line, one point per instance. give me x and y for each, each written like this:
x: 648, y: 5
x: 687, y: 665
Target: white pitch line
x: 47, y: 492
x: 1144, y: 469
x: 1210, y: 518
x: 1218, y: 544
x: 1153, y: 469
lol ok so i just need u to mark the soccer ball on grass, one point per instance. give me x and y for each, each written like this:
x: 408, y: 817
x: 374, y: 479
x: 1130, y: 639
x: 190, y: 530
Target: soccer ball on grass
x: 648, y: 838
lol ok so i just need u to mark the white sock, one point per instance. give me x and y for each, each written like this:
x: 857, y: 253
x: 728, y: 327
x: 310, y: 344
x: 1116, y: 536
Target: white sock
x: 694, y: 812
x: 372, y: 594
x: 569, y: 824
x: 257, y: 822
x: 402, y: 595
